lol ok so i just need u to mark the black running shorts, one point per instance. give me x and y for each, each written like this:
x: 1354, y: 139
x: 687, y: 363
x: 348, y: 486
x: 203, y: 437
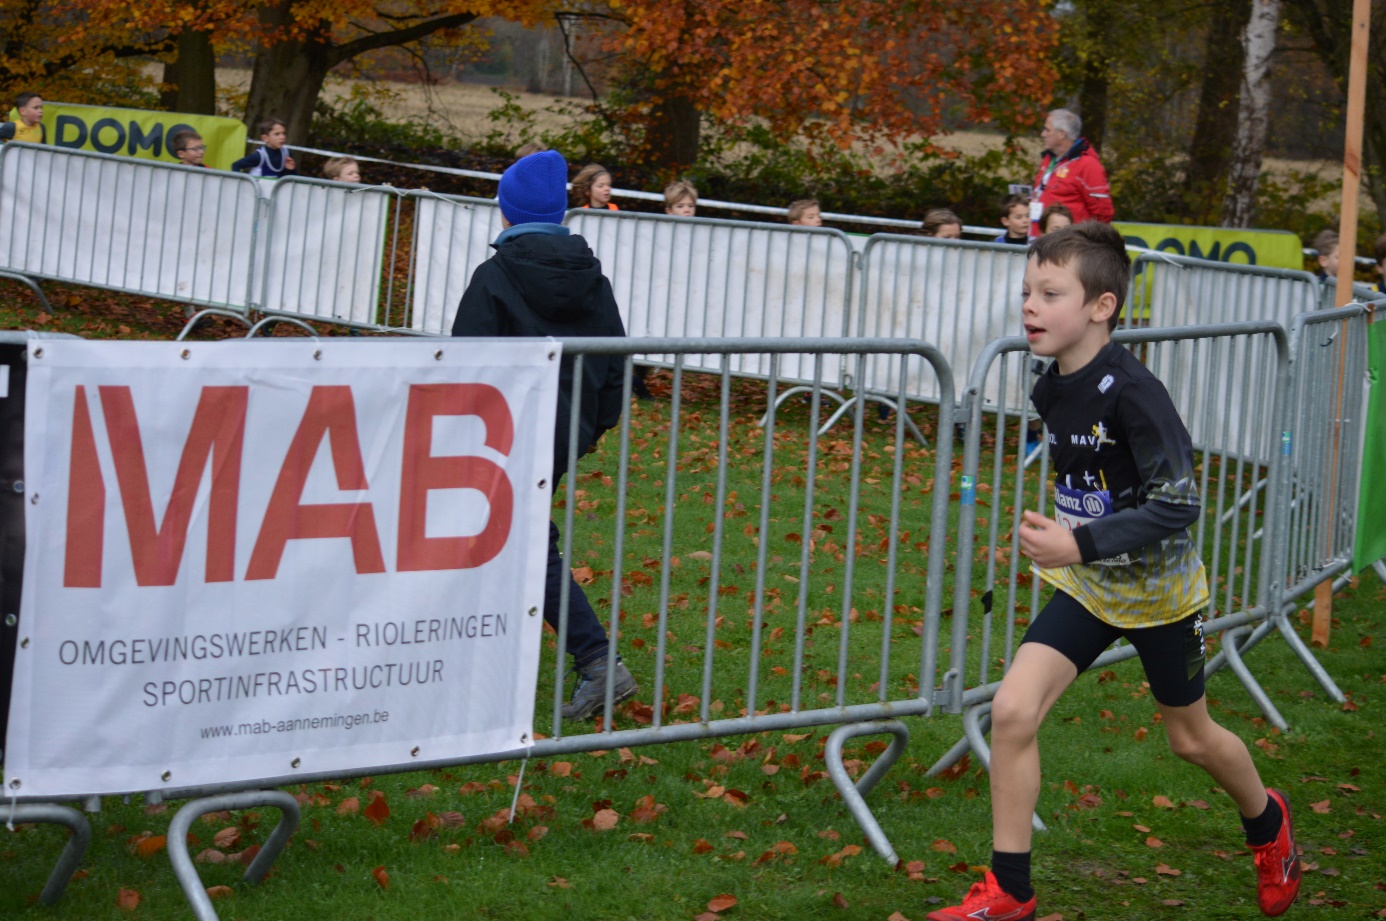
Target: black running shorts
x: 1172, y: 654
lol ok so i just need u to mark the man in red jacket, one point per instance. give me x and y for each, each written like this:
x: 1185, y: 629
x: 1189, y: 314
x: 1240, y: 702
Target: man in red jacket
x: 1069, y: 173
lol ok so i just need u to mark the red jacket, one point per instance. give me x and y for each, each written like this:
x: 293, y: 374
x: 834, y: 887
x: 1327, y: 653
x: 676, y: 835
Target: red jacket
x: 1079, y: 182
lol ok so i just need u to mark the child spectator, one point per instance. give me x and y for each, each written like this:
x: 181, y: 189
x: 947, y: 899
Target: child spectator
x: 805, y: 213
x: 188, y: 148
x: 681, y: 199
x: 1015, y: 217
x: 592, y: 188
x: 943, y: 224
x: 273, y: 159
x: 544, y: 281
x: 1379, y: 254
x: 1327, y: 245
x: 1054, y: 217
x: 29, y: 128
x: 529, y: 148
x: 342, y: 169
x: 1119, y: 556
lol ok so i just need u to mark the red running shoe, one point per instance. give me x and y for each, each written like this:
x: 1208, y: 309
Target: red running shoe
x: 987, y: 901
x: 1277, y: 864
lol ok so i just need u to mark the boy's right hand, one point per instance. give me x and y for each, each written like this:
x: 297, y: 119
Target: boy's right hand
x: 289, y: 163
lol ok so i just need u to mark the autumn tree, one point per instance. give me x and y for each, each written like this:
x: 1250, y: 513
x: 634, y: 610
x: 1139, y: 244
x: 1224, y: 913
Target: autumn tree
x: 830, y: 72
x: 300, y: 41
x: 1328, y: 23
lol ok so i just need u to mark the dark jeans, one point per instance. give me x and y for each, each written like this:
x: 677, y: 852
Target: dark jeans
x: 587, y: 639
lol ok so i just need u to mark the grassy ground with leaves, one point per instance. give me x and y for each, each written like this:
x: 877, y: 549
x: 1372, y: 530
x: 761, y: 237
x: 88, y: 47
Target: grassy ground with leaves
x: 750, y: 827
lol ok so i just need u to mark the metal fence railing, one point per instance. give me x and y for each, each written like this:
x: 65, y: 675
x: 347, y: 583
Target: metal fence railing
x: 1181, y: 291
x: 831, y: 616
x: 129, y: 225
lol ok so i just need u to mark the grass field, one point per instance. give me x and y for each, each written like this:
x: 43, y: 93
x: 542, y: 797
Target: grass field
x: 646, y: 833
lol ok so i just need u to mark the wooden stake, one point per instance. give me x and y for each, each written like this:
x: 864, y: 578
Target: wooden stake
x: 1347, y: 249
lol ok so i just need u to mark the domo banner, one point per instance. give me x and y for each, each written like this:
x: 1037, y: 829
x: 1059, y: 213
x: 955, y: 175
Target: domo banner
x: 267, y: 560
x: 140, y: 132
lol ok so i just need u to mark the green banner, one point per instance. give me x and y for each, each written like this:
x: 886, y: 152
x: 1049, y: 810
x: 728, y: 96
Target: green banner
x: 140, y: 132
x: 1277, y: 249
x: 1371, y: 503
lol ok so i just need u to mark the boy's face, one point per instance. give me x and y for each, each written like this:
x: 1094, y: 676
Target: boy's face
x: 1017, y: 221
x: 812, y: 217
x: 1059, y: 322
x: 684, y: 207
x: 350, y: 173
x: 275, y: 137
x: 32, y: 111
x: 192, y: 154
x: 1329, y: 262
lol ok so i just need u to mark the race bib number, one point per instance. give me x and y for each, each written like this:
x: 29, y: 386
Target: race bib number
x: 1074, y: 508
x: 1036, y: 211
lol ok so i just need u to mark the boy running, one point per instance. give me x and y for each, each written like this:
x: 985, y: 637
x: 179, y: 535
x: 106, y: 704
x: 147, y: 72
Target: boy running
x: 1122, y: 564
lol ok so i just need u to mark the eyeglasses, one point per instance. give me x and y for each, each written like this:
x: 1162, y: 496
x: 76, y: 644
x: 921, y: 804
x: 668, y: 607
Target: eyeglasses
x: 196, y: 148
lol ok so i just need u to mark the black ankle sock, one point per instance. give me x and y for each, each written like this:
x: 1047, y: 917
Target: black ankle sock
x: 1263, y: 828
x: 1012, y: 872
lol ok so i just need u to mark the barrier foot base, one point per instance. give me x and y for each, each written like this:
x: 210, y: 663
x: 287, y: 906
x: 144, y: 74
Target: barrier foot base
x: 959, y: 750
x: 197, y: 318
x: 976, y: 737
x: 178, y: 829
x: 1380, y: 567
x: 800, y: 388
x: 1306, y: 656
x: 32, y: 285
x: 1233, y: 658
x: 73, y: 851
x: 853, y: 793
x: 847, y: 406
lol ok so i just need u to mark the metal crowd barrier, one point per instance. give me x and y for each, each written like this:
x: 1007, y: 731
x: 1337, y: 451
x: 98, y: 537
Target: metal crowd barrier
x: 1182, y: 291
x: 957, y: 294
x: 716, y: 279
x: 830, y: 556
x: 451, y: 236
x: 128, y: 225
x: 322, y: 251
x: 1230, y: 537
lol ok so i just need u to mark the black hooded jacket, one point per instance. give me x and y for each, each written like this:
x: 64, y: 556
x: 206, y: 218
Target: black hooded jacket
x: 548, y: 284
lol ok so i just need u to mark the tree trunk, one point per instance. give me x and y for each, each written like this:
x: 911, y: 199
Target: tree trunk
x: 191, y: 77
x: 288, y: 75
x: 673, y: 134
x: 1092, y: 99
x: 1219, y: 98
x: 1258, y: 44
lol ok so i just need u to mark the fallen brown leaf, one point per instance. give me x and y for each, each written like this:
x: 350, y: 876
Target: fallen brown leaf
x: 127, y: 899
x: 220, y: 892
x: 721, y: 902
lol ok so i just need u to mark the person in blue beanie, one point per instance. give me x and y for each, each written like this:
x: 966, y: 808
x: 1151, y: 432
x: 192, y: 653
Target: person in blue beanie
x: 544, y: 281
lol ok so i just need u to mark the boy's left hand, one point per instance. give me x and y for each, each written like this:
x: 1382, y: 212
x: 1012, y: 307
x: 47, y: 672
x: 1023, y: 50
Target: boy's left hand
x: 289, y: 163
x: 1049, y: 544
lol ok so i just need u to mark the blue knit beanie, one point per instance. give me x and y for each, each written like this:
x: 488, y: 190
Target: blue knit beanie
x: 535, y: 189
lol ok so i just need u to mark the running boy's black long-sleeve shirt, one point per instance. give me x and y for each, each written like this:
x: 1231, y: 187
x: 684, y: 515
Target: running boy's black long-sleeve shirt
x: 1125, y: 486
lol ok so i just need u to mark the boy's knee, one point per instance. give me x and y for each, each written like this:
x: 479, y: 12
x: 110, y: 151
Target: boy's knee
x: 1193, y: 747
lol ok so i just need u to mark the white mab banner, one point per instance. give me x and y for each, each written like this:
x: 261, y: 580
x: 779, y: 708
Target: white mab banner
x: 259, y: 560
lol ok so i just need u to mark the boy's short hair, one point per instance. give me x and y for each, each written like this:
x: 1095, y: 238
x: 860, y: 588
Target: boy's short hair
x: 1379, y: 250
x: 23, y: 99
x: 333, y: 167
x: 1093, y: 251
x: 182, y: 140
x: 1326, y: 241
x: 1050, y: 212
x: 676, y: 192
x: 269, y: 124
x: 797, y: 209
x: 936, y: 218
x: 1013, y: 201
x: 530, y: 148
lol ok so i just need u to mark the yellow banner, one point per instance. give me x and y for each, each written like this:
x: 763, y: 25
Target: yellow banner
x: 1278, y: 249
x: 141, y: 133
